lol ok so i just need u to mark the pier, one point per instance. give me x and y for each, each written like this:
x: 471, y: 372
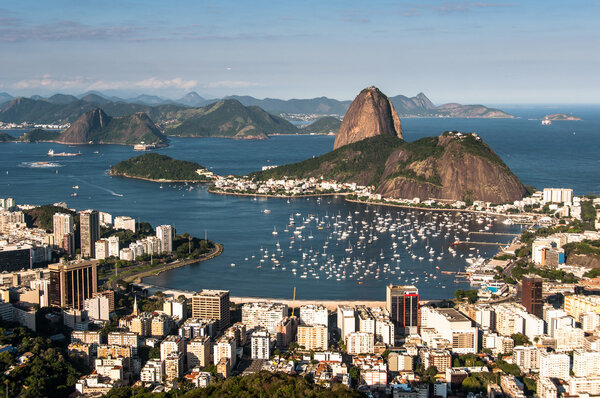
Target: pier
x: 470, y: 242
x: 492, y: 233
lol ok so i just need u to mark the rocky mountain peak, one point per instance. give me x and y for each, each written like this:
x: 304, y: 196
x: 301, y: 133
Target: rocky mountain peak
x: 370, y: 114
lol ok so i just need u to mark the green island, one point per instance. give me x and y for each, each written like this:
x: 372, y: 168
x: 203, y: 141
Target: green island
x: 39, y: 135
x: 161, y: 168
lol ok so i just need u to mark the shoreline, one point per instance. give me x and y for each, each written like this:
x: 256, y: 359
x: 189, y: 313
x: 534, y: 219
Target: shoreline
x: 138, y: 277
x: 330, y: 304
x: 156, y: 180
x: 312, y: 195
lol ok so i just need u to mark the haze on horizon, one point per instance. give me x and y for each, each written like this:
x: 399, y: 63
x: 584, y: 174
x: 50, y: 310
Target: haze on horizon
x: 463, y: 51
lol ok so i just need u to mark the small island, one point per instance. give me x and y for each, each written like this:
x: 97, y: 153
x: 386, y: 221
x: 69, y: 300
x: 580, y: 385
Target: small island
x: 161, y: 168
x: 560, y: 116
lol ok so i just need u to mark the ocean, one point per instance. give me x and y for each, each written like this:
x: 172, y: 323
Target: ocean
x: 564, y: 154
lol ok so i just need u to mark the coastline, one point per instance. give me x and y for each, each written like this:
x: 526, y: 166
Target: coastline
x: 330, y: 304
x: 312, y: 195
x: 110, y: 173
x: 138, y: 277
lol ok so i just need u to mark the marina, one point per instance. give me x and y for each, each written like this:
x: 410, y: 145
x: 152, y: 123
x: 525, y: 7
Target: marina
x: 244, y: 224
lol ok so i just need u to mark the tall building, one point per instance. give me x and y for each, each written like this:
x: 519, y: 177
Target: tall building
x: 165, y: 234
x: 403, y: 304
x: 172, y: 344
x: 72, y: 284
x: 360, y: 343
x: 212, y: 304
x: 113, y: 246
x: 62, y: 225
x: 260, y: 345
x: 586, y: 363
x: 313, y: 314
x: 346, y: 320
x: 313, y: 337
x: 97, y: 308
x: 531, y: 295
x: 264, y: 315
x: 89, y: 221
x: 198, y: 352
x: 101, y: 249
x: 554, y: 365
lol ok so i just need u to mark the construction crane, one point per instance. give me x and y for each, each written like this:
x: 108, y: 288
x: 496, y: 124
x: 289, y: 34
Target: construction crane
x: 294, y: 301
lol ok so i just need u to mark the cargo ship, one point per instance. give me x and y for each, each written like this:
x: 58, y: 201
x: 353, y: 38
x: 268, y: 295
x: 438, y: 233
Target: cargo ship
x: 51, y: 153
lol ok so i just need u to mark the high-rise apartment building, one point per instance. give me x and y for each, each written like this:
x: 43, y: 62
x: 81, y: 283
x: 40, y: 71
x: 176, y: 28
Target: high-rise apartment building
x: 72, y: 284
x: 212, y: 304
x: 346, y: 320
x: 264, y: 315
x: 554, y: 365
x: 260, y: 344
x: 62, y: 225
x: 313, y: 314
x: 313, y: 337
x: 531, y: 295
x: 402, y: 302
x: 89, y: 222
x: 165, y: 234
x: 198, y: 352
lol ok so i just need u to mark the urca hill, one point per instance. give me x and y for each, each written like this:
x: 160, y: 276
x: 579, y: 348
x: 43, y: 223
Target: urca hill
x: 369, y: 150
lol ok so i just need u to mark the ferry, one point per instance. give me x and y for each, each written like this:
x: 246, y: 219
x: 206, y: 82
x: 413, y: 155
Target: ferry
x: 51, y: 153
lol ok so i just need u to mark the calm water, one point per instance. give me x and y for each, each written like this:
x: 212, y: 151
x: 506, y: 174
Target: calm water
x: 563, y: 154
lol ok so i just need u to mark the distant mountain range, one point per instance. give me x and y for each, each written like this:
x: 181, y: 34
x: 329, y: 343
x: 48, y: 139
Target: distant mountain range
x: 61, y: 108
x: 227, y: 118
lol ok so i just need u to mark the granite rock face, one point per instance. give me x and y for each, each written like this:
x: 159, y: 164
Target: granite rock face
x: 370, y: 114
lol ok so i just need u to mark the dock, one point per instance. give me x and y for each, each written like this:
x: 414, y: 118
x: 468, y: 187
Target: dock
x: 470, y: 242
x: 493, y: 233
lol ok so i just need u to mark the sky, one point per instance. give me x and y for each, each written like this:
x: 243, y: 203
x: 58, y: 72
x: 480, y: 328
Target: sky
x: 489, y: 52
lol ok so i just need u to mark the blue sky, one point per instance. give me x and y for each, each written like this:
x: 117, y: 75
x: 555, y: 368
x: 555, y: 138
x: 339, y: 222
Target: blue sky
x: 465, y: 51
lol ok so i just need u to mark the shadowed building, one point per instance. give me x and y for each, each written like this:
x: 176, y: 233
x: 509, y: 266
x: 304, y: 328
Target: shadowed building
x: 531, y: 295
x: 72, y: 284
x: 402, y: 302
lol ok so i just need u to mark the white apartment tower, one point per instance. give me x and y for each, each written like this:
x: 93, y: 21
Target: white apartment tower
x: 165, y: 234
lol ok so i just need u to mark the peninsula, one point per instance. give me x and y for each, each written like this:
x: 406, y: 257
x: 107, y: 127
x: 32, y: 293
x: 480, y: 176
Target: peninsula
x: 161, y: 168
x: 369, y: 152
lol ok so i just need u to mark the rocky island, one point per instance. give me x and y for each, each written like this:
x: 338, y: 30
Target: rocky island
x: 161, y: 168
x: 560, y: 116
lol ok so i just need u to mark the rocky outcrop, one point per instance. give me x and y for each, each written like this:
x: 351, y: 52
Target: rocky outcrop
x: 82, y: 129
x: 96, y: 127
x: 453, y: 166
x: 370, y: 114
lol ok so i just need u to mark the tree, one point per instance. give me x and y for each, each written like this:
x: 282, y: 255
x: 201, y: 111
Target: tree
x: 471, y: 384
x: 520, y: 339
x: 354, y: 373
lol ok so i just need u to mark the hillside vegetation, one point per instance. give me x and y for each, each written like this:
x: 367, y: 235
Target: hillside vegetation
x: 228, y: 119
x: 362, y: 162
x: 159, y: 167
x: 324, y: 125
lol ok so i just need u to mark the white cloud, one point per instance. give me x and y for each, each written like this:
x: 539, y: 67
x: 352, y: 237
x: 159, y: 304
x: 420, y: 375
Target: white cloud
x: 231, y: 84
x: 81, y: 83
x: 47, y: 81
x: 151, y: 83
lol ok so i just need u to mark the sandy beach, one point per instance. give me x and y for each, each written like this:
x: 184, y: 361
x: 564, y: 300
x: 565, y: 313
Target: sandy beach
x: 329, y: 304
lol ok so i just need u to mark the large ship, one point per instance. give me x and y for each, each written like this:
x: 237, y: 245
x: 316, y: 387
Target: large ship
x: 52, y: 153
